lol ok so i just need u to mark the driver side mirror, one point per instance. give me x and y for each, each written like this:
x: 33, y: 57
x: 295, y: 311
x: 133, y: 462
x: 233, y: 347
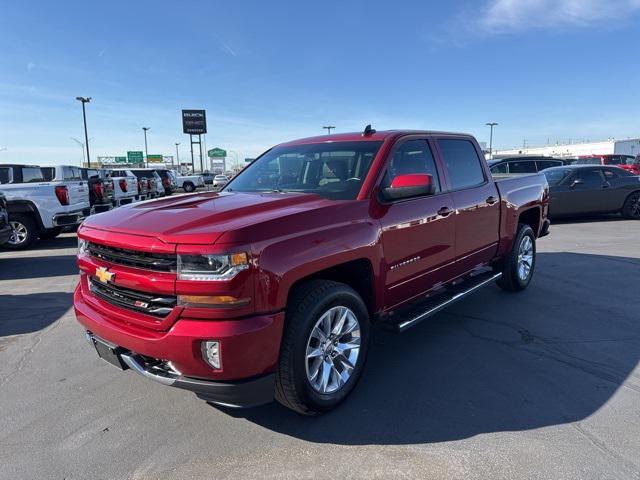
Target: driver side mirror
x: 409, y: 185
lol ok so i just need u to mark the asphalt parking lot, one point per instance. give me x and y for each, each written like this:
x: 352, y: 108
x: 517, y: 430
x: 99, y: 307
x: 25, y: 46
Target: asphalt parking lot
x: 540, y: 384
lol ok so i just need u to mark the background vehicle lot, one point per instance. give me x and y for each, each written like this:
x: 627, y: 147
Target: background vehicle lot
x: 544, y: 384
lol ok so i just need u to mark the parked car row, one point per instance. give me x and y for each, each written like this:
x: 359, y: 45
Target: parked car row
x: 41, y: 201
x: 534, y: 164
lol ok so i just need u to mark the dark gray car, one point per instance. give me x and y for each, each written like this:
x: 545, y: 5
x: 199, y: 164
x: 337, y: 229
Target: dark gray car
x: 590, y: 189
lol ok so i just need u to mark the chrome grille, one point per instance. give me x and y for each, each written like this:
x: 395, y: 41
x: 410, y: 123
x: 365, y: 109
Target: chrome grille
x: 162, y: 262
x: 158, y: 306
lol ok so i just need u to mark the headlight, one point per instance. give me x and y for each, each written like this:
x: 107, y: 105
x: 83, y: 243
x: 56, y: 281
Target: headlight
x: 82, y: 246
x: 211, y: 267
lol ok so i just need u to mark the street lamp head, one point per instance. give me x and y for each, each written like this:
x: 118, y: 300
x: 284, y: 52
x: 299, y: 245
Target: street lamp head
x: 177, y: 143
x: 491, y: 124
x: 146, y: 128
x: 83, y: 99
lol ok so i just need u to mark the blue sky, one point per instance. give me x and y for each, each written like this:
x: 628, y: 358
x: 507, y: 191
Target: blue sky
x: 267, y: 72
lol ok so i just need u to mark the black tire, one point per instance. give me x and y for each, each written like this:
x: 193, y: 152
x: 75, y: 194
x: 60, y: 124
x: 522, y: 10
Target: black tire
x: 307, y: 304
x: 25, y: 232
x: 50, y: 233
x: 511, y: 279
x: 631, y: 208
x: 188, y: 187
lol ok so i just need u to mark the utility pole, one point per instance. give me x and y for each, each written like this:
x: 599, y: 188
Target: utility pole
x: 177, y: 155
x: 84, y: 100
x: 491, y: 125
x: 328, y: 128
x: 146, y: 153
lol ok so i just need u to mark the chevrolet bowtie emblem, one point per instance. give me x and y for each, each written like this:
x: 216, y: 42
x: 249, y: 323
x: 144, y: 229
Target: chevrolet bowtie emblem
x: 104, y: 275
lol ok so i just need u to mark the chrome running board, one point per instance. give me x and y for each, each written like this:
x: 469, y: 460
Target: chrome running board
x: 436, y: 302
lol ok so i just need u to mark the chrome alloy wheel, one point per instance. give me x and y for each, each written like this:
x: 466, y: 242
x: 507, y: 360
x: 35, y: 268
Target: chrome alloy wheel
x: 525, y: 258
x: 19, y: 234
x: 634, y: 207
x: 332, y: 349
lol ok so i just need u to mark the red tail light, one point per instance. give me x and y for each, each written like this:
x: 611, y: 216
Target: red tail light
x: 62, y: 193
x: 166, y: 182
x: 98, y: 189
x: 123, y: 184
x: 139, y: 186
x: 149, y: 184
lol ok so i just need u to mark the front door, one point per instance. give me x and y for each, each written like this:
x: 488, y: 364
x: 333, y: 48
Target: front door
x: 418, y: 233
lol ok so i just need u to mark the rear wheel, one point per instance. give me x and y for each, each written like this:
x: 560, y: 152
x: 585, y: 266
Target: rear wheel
x: 519, y: 264
x: 631, y: 208
x: 324, y: 347
x: 25, y: 232
x: 50, y: 233
x: 188, y: 187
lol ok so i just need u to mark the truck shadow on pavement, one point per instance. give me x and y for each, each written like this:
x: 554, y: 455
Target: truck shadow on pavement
x: 32, y: 312
x: 17, y: 268
x: 497, y: 361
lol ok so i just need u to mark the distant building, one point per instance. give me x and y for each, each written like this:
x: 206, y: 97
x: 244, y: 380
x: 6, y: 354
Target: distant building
x: 629, y: 146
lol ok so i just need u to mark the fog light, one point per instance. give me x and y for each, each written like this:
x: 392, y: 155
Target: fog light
x: 211, y: 353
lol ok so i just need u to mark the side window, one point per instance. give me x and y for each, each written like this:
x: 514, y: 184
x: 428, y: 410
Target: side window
x: 413, y: 156
x: 589, y: 178
x: 71, y: 173
x: 6, y: 175
x: 462, y: 162
x: 609, y: 174
x: 500, y: 168
x: 542, y: 164
x: 32, y: 175
x: 522, y: 167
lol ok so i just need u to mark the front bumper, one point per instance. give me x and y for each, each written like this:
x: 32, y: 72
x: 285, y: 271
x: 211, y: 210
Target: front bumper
x: 101, y: 207
x: 249, y: 349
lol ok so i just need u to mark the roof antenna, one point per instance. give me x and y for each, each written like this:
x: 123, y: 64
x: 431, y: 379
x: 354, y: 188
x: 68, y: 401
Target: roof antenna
x: 368, y: 131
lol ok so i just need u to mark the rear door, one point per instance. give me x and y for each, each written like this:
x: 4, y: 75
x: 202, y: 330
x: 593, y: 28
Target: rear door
x: 417, y: 233
x: 476, y: 201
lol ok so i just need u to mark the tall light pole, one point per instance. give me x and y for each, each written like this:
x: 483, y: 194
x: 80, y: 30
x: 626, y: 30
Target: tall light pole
x: 328, y: 128
x: 491, y: 125
x: 146, y: 153
x: 177, y: 154
x: 79, y: 143
x: 84, y: 100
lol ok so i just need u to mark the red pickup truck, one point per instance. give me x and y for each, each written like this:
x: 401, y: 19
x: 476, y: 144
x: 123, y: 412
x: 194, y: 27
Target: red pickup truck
x: 269, y: 288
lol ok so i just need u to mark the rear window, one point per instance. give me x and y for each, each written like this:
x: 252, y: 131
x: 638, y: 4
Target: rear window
x: 542, y: 164
x: 71, y: 173
x: 6, y: 175
x: 588, y: 161
x: 463, y: 163
x: 32, y: 175
x: 143, y: 173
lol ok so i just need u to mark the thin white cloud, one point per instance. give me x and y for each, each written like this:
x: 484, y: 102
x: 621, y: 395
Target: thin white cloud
x: 227, y: 48
x: 30, y: 66
x: 507, y: 16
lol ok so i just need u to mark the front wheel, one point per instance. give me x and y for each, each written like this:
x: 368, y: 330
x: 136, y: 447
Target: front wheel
x: 324, y: 347
x: 519, y: 264
x: 631, y: 208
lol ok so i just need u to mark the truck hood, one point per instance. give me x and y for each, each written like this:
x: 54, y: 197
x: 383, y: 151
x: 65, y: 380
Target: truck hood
x: 203, y: 218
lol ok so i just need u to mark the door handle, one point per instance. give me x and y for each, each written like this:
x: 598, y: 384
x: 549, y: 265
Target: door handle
x: 445, y: 212
x: 606, y: 185
x: 491, y: 200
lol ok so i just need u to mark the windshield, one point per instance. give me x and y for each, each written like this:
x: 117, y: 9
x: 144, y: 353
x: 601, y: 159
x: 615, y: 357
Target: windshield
x: 554, y: 177
x: 331, y: 170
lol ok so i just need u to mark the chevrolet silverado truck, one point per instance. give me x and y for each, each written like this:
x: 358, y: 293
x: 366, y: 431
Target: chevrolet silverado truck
x: 269, y: 288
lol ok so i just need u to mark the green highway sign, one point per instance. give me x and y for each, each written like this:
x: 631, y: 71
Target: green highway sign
x: 217, y: 153
x: 120, y: 159
x: 155, y: 158
x: 135, y: 157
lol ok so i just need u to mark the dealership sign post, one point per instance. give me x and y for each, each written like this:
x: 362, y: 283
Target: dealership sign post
x: 194, y: 122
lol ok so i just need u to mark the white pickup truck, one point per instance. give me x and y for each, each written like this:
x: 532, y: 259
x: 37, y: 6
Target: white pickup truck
x: 189, y: 183
x: 37, y: 208
x: 125, y: 186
